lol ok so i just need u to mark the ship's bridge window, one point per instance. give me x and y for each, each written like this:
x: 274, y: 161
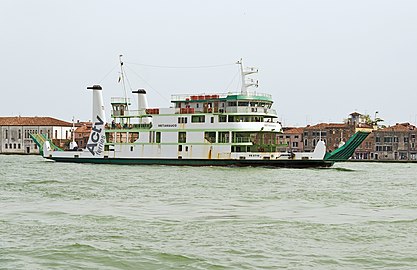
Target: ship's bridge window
x: 198, y: 119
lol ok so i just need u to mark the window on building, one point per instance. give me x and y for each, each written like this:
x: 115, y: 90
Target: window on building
x: 222, y: 118
x: 56, y: 134
x: 5, y: 146
x: 212, y: 119
x: 14, y: 146
x: 179, y: 148
x: 377, y: 139
x: 305, y: 142
x: 198, y: 119
x: 10, y: 145
x: 182, y: 137
x: 20, y: 134
x: 387, y: 139
x: 6, y: 134
x: 295, y: 144
x: 18, y: 146
x: 406, y: 140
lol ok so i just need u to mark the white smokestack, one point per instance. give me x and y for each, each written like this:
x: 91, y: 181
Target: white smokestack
x: 142, y: 104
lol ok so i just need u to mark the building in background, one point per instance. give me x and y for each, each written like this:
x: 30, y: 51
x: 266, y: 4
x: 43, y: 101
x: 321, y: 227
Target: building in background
x: 333, y: 134
x: 395, y: 143
x: 291, y: 140
x: 82, y: 133
x: 14, y: 133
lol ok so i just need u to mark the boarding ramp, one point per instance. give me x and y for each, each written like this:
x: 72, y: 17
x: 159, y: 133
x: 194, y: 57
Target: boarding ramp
x: 40, y: 139
x: 344, y: 152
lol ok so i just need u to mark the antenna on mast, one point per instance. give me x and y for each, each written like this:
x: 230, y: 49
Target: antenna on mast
x: 122, y: 76
x: 245, y: 72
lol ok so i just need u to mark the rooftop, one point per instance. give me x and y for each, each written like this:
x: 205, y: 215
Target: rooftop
x: 399, y: 127
x: 293, y: 130
x: 328, y: 125
x: 32, y: 121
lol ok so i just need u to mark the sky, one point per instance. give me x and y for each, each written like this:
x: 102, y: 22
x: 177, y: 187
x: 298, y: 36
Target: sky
x: 320, y: 59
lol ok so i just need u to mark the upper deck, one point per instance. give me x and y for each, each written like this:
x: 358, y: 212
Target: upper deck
x: 255, y: 96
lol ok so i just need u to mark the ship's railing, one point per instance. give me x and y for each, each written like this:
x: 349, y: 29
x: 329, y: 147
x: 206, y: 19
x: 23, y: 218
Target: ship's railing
x: 143, y: 112
x: 208, y: 96
x: 232, y: 109
x: 128, y: 126
x: 129, y: 113
x: 120, y: 100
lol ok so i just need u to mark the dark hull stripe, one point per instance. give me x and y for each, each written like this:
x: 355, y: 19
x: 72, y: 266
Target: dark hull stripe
x: 202, y: 162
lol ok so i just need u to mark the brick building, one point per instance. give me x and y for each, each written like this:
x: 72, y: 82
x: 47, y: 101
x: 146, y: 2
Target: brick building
x: 82, y: 133
x: 331, y: 133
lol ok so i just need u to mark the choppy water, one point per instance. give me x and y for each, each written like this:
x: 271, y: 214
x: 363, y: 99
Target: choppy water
x: 77, y: 216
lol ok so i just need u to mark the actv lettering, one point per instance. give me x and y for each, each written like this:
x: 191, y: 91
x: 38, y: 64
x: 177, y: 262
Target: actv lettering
x: 95, y: 138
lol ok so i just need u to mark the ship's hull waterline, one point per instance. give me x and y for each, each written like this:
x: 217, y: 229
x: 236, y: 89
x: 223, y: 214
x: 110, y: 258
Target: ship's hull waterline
x: 201, y: 162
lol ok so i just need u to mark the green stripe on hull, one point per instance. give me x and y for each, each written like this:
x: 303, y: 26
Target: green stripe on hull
x: 202, y: 162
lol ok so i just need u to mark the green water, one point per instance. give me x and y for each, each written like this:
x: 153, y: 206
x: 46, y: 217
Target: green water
x: 78, y: 216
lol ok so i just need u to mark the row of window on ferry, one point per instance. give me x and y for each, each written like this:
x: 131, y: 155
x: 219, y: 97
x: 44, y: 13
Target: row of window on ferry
x: 222, y: 118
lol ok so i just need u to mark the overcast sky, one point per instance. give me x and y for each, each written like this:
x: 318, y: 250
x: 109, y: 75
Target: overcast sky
x: 321, y: 60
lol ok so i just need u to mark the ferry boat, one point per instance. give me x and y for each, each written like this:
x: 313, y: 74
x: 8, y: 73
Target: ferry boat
x: 208, y: 129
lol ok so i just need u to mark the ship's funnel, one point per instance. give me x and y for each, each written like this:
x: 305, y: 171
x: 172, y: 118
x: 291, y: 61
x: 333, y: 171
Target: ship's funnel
x: 97, y: 139
x: 142, y: 104
x: 142, y: 100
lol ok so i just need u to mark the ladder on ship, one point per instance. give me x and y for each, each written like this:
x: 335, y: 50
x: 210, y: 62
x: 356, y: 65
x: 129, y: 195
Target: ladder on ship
x: 344, y: 152
x: 40, y: 139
